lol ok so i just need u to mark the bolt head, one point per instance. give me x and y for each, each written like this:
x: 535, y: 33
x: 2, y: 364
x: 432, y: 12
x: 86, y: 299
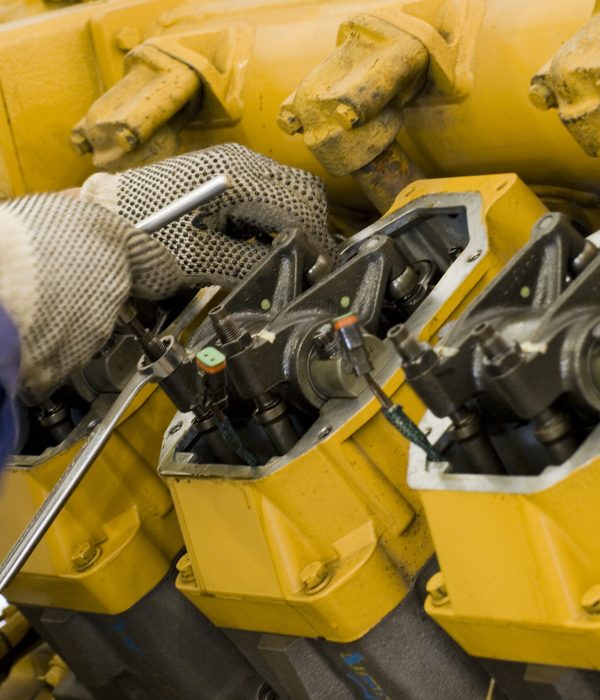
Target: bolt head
x: 590, y: 601
x: 346, y: 115
x: 436, y: 588
x: 315, y: 576
x: 127, y: 38
x: 184, y: 567
x: 289, y: 122
x: 85, y: 555
x: 80, y: 144
x: 126, y: 139
x: 541, y: 96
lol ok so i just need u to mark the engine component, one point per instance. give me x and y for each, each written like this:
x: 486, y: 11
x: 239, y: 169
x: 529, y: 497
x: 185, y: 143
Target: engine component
x: 520, y: 359
x: 353, y: 347
x: 456, y: 125
x: 130, y: 648
x: 348, y: 107
x: 125, y: 527
x: 305, y: 531
x: 101, y: 522
x: 569, y: 82
x: 169, y: 365
x: 521, y: 364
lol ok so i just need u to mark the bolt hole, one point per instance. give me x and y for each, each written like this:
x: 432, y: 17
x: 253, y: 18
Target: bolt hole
x: 175, y: 429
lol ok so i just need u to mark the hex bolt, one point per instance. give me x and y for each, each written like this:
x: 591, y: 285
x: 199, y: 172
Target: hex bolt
x: 315, y: 576
x: 346, y: 115
x: 80, y: 143
x: 184, y: 567
x: 127, y: 38
x: 289, y: 122
x: 85, y: 555
x: 126, y: 139
x: 436, y: 588
x: 541, y: 96
x: 407, y: 346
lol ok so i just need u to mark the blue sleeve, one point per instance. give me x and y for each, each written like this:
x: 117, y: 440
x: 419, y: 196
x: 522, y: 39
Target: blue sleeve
x: 9, y: 370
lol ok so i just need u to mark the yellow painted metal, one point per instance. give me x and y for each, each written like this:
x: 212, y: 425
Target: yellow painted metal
x: 494, y: 127
x: 570, y: 82
x: 79, y: 49
x: 121, y: 515
x: 472, y: 113
x: 328, y: 544
x: 11, y: 10
x: 55, y: 66
x: 526, y: 586
x: 154, y: 88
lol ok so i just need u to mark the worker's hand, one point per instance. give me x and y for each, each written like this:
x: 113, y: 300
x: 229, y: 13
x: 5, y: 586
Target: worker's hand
x: 222, y: 240
x: 66, y: 267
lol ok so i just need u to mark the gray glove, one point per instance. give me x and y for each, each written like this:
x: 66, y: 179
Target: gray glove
x: 216, y: 244
x: 67, y: 266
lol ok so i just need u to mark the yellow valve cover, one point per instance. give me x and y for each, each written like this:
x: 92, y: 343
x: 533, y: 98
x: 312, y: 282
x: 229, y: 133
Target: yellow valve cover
x: 519, y: 563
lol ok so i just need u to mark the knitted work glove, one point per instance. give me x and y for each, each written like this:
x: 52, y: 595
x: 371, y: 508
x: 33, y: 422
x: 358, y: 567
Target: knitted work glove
x: 66, y: 267
x: 217, y: 243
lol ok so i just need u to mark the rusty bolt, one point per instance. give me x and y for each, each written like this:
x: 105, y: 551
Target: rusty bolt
x: 590, y: 601
x: 346, y: 115
x: 85, y: 555
x: 80, y: 143
x: 437, y: 589
x: 289, y: 122
x: 184, y: 566
x: 127, y: 38
x: 125, y: 138
x: 541, y: 96
x: 315, y: 576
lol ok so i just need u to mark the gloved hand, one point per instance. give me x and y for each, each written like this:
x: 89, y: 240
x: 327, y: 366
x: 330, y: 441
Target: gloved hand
x: 216, y: 243
x: 67, y: 266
